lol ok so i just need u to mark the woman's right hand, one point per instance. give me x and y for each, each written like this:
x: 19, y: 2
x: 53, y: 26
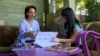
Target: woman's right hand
x: 58, y: 20
x: 55, y: 39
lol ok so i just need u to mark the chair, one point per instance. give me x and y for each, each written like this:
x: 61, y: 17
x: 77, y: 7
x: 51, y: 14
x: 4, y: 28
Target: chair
x: 84, y: 35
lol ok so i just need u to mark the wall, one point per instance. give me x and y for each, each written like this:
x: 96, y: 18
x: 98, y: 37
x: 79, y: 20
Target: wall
x: 12, y: 11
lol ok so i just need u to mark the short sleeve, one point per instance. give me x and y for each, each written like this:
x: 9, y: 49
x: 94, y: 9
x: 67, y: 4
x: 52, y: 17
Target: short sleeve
x: 77, y: 27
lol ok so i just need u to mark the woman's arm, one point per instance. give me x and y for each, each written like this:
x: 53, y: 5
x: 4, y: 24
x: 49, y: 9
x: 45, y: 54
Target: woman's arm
x: 58, y: 20
x: 23, y: 33
x: 73, y: 38
x: 29, y: 34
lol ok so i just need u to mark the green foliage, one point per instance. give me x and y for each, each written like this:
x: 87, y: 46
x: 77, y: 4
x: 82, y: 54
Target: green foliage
x: 80, y: 3
x: 93, y: 10
x: 89, y: 3
x: 59, y: 3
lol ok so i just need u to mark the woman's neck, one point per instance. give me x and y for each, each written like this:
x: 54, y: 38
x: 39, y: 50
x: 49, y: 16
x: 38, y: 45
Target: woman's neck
x: 30, y: 21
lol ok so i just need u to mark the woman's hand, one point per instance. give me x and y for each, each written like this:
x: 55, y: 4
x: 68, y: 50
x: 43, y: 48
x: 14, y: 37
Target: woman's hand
x: 55, y: 39
x: 30, y: 34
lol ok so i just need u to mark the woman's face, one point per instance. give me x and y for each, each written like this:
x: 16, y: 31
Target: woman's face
x: 31, y: 13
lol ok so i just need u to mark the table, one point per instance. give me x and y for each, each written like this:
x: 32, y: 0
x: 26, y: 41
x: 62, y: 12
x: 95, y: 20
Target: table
x: 44, y: 52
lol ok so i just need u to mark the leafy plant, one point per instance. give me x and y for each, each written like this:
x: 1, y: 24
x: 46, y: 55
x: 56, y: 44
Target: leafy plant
x: 93, y: 10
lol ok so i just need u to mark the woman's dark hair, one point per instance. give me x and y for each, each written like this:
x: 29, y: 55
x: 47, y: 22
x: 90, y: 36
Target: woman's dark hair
x: 27, y: 10
x: 70, y: 21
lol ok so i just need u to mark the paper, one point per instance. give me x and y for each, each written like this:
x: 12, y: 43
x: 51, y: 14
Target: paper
x: 43, y: 39
x: 68, y: 50
x: 22, y: 48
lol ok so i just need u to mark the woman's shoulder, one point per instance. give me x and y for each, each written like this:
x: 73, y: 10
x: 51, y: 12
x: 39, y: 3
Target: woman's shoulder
x: 78, y: 27
x: 23, y: 20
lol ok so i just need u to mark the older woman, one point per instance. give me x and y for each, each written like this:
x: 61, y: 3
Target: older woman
x: 29, y: 27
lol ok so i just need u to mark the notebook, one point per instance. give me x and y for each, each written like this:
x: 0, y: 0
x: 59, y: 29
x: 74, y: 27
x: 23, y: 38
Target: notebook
x: 44, y: 39
x: 67, y: 49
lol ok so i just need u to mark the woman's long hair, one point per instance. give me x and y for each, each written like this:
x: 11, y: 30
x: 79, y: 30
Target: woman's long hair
x: 70, y: 21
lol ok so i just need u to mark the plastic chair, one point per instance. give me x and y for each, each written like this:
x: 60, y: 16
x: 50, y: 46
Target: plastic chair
x: 95, y: 36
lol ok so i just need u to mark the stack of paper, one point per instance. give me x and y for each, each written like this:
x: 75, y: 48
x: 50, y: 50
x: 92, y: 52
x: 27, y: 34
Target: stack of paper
x: 44, y: 39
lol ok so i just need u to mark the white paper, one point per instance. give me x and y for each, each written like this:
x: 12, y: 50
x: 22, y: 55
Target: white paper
x: 44, y: 39
x: 22, y: 48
